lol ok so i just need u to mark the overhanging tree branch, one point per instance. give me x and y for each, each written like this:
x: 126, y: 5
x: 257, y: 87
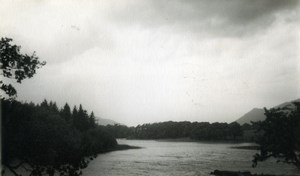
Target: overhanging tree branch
x: 15, y: 65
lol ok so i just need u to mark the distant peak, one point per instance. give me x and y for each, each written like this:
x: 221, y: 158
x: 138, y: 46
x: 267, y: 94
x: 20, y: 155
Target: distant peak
x: 256, y: 109
x: 257, y: 114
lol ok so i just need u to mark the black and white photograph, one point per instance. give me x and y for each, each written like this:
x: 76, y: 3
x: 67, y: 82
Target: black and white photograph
x: 150, y: 87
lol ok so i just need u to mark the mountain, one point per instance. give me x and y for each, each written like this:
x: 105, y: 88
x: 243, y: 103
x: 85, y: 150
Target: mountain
x: 257, y: 114
x: 105, y: 122
x: 288, y: 104
x: 254, y: 115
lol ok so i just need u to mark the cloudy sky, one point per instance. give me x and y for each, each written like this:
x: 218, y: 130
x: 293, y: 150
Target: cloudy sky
x: 136, y: 61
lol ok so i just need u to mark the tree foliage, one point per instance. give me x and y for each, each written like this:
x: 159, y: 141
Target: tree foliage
x: 15, y: 65
x: 45, y: 140
x: 280, y: 136
x: 164, y: 130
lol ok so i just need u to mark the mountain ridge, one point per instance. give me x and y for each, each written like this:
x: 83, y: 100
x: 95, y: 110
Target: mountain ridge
x: 104, y: 122
x: 257, y: 114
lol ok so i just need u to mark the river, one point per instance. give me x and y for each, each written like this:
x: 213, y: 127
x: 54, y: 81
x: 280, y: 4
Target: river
x: 180, y: 158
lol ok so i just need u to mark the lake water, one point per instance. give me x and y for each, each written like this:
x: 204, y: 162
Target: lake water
x: 180, y: 158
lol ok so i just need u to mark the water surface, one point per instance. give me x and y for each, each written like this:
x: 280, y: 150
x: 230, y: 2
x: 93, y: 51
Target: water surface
x: 180, y: 158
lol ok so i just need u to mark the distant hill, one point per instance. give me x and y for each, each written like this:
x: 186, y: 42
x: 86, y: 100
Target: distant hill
x: 105, y: 122
x: 254, y: 115
x: 257, y: 114
x: 287, y: 104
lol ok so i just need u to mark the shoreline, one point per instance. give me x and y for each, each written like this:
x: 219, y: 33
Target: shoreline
x: 193, y: 140
x: 247, y: 147
x: 119, y: 147
x: 239, y: 173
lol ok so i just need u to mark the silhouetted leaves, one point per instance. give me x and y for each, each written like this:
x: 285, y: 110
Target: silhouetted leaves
x: 280, y: 136
x: 15, y: 65
x: 47, y: 140
x: 44, y: 139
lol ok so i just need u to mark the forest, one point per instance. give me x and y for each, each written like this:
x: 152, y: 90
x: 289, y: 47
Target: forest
x: 202, y: 131
x: 43, y: 135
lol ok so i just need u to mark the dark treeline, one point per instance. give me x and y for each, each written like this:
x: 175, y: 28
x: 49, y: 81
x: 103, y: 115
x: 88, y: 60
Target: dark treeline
x: 43, y: 138
x: 194, y: 130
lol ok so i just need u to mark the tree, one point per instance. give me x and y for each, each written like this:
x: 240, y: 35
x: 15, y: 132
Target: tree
x: 66, y: 112
x: 40, y: 138
x: 235, y: 130
x: 280, y: 136
x: 92, y: 120
x: 15, y: 65
x: 81, y: 121
x: 41, y: 141
x: 44, y: 104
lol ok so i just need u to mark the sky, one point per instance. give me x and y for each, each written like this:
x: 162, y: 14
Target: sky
x: 148, y: 61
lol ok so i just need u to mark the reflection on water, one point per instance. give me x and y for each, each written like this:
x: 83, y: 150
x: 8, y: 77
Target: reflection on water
x: 179, y: 158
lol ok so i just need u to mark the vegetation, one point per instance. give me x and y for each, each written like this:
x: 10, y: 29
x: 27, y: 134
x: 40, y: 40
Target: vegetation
x: 280, y: 135
x: 15, y: 65
x: 172, y: 130
x: 44, y: 139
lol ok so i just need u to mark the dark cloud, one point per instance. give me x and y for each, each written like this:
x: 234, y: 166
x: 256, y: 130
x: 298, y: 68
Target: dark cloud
x: 69, y: 41
x: 218, y: 17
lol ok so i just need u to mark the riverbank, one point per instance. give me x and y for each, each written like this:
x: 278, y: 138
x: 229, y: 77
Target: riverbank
x: 121, y: 147
x: 194, y: 140
x: 176, y: 140
x: 125, y: 147
x: 248, y: 147
x: 236, y: 173
x: 22, y: 171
